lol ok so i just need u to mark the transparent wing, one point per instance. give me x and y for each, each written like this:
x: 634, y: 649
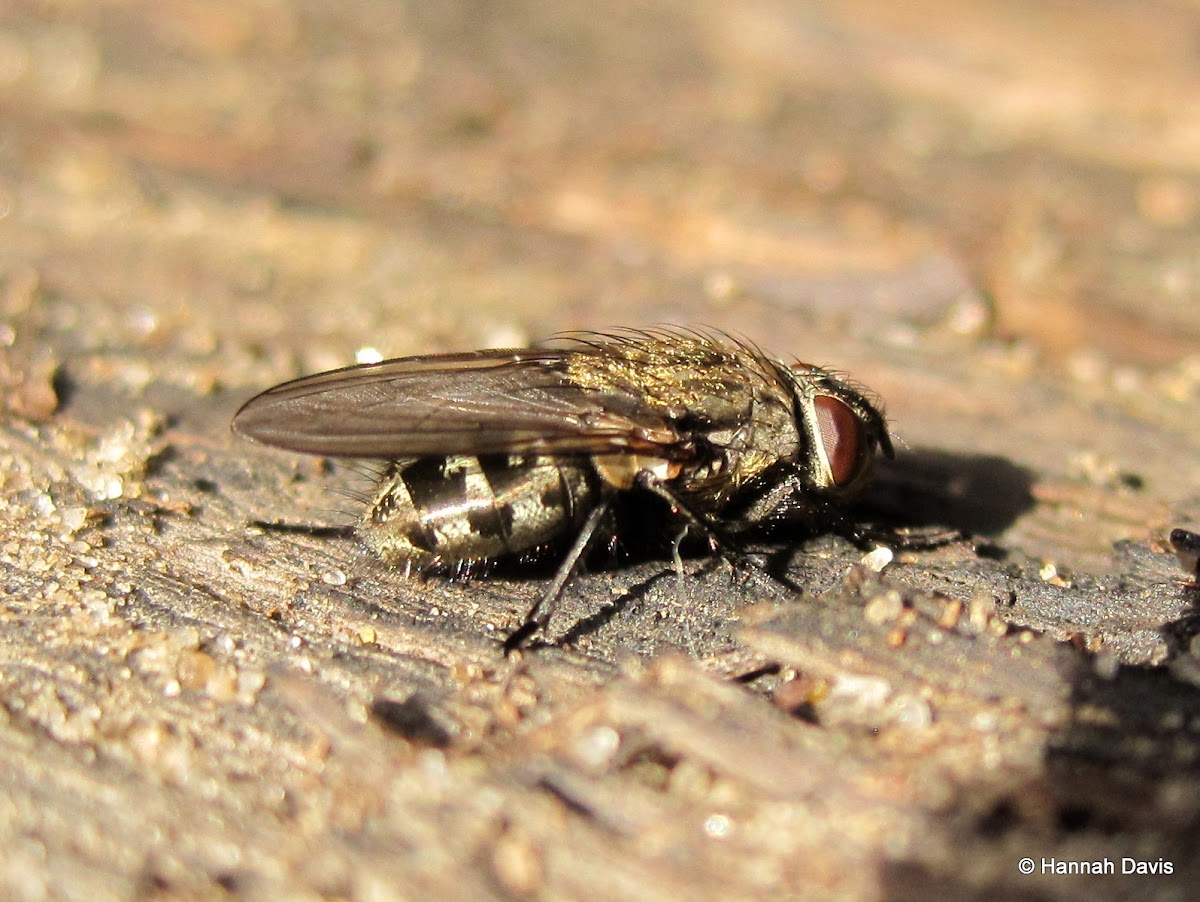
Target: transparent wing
x: 483, y: 402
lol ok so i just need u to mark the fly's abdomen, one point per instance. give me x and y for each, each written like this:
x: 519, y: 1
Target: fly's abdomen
x: 435, y: 513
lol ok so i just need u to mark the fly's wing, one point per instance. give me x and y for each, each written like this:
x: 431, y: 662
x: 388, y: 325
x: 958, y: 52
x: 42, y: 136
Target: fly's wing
x: 485, y: 402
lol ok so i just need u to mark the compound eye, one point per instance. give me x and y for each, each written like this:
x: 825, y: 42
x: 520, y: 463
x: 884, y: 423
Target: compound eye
x: 843, y: 438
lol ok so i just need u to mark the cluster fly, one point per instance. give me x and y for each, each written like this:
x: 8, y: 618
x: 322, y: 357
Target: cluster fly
x: 507, y: 453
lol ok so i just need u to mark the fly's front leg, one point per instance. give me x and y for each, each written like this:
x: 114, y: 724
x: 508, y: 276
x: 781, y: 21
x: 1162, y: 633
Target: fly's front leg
x: 720, y: 544
x: 649, y: 482
x: 923, y: 539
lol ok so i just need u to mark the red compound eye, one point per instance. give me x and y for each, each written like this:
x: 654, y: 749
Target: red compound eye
x: 843, y: 438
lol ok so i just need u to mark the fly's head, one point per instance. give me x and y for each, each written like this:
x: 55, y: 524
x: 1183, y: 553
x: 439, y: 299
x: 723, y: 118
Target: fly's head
x: 809, y: 446
x: 840, y: 432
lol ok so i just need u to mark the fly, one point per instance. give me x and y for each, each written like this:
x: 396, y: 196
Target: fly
x: 507, y: 453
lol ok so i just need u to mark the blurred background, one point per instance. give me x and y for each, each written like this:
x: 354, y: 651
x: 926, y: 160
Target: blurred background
x: 947, y: 202
x: 987, y: 212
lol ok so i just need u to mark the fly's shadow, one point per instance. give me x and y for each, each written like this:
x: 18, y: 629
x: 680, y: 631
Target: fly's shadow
x: 976, y: 495
x: 923, y: 492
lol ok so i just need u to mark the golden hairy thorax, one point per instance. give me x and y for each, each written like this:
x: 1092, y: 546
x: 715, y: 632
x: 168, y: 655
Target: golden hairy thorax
x: 746, y: 402
x: 676, y: 373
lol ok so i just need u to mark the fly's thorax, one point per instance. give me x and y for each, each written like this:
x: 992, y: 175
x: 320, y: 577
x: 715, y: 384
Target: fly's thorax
x: 768, y: 434
x: 434, y: 513
x: 808, y: 442
x: 747, y: 435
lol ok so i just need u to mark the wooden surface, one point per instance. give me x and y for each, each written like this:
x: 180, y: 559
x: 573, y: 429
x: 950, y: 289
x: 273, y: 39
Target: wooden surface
x: 988, y: 213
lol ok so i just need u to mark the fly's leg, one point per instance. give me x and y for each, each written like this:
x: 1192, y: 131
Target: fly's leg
x: 724, y: 548
x: 539, y: 615
x: 927, y: 539
x: 676, y: 557
x: 648, y: 482
x: 304, y: 529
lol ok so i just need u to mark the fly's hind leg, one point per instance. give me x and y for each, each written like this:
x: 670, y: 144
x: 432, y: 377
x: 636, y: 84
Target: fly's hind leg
x: 539, y: 615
